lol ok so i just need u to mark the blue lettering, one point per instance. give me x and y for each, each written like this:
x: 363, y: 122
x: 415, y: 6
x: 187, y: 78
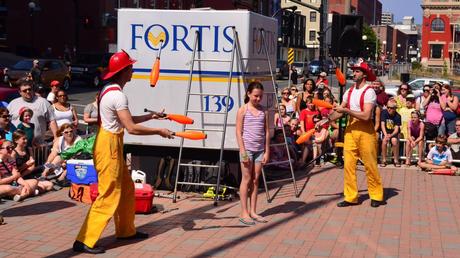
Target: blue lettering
x: 216, y: 39
x: 146, y: 36
x: 176, y: 39
x: 134, y: 36
x: 200, y: 33
x: 228, y: 37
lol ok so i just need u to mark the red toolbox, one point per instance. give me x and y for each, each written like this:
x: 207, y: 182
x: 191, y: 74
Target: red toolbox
x: 143, y: 194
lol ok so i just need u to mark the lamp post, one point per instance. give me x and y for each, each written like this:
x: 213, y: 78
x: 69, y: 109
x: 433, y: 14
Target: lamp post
x: 397, y: 51
x: 454, y: 29
x: 32, y: 5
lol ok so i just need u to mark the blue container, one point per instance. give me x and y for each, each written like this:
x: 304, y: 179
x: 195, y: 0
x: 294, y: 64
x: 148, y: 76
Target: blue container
x: 81, y: 172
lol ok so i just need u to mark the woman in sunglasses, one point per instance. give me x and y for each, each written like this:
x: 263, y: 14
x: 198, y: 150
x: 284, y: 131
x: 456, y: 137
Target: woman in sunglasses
x: 401, y: 95
x: 287, y: 102
x: 11, y: 182
x: 63, y: 111
x: 6, y: 127
x: 67, y: 138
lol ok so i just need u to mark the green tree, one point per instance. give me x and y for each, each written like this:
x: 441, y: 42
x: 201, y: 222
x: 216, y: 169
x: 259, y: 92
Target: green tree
x: 370, y: 44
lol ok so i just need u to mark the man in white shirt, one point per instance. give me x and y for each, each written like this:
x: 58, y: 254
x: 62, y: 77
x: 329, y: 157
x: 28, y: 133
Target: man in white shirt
x: 115, y: 186
x: 360, y: 138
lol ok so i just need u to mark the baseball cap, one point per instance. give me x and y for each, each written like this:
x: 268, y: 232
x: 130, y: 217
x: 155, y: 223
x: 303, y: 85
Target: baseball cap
x: 36, y: 61
x: 323, y: 74
x: 410, y: 96
x: 426, y: 87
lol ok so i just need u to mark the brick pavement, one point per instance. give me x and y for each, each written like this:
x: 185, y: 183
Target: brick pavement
x: 420, y: 220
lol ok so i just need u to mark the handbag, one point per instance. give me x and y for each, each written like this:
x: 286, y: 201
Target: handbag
x: 449, y: 115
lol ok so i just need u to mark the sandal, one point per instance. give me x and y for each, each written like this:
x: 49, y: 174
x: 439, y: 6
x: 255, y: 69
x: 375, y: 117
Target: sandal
x: 397, y: 164
x: 247, y: 222
x: 259, y: 219
x: 407, y: 165
x: 384, y: 164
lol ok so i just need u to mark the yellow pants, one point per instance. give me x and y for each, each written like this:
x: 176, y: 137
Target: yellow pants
x: 360, y: 142
x: 116, y: 191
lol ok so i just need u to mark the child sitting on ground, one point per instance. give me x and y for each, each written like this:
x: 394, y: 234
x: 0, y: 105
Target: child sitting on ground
x: 415, y: 135
x: 278, y: 151
x: 319, y: 140
x: 439, y: 156
x: 24, y: 160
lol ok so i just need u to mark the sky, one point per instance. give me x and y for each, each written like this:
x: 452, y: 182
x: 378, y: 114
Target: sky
x: 401, y: 8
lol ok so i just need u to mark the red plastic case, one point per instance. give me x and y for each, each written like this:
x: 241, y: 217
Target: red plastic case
x: 143, y: 193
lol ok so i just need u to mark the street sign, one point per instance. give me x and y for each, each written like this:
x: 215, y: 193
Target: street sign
x: 290, y: 56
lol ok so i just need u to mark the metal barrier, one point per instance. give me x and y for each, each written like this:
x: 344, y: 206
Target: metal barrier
x: 40, y: 153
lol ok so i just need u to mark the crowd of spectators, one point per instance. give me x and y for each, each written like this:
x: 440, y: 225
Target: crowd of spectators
x: 410, y: 129
x: 36, y: 121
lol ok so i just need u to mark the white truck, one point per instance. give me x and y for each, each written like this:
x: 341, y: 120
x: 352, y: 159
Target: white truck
x: 139, y: 33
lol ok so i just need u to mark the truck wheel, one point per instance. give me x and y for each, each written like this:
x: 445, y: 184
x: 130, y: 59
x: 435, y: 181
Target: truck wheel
x: 66, y: 84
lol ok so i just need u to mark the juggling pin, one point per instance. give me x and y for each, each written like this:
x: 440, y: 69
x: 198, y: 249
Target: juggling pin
x: 173, y: 117
x: 340, y: 77
x: 445, y: 171
x: 305, y: 137
x: 322, y: 103
x: 191, y: 135
x: 155, y: 73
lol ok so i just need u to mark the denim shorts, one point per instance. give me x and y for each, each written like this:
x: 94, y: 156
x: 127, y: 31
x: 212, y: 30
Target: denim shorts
x: 254, y: 156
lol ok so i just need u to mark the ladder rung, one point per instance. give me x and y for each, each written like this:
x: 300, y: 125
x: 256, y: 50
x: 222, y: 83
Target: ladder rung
x: 206, y: 112
x: 277, y: 162
x: 210, y: 94
x: 277, y: 144
x: 206, y: 184
x: 213, y: 60
x: 198, y: 165
x: 207, y: 130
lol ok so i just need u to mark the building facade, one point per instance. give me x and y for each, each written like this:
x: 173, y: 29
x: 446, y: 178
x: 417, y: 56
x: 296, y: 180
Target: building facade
x: 33, y: 27
x: 440, y: 47
x: 387, y: 18
x: 371, y: 10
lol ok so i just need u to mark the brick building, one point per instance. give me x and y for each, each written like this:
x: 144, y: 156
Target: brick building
x: 440, y: 33
x: 30, y: 27
x: 371, y: 10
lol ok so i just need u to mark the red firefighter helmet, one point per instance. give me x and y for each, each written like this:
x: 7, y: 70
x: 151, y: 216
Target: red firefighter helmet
x: 117, y: 62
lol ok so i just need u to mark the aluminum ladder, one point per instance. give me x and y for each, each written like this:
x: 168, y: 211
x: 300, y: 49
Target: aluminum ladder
x: 202, y: 112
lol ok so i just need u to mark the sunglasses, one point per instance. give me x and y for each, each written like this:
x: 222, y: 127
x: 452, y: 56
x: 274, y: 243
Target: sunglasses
x: 7, y: 148
x: 285, y: 93
x: 27, y: 90
x: 67, y: 132
x: 426, y: 90
x: 391, y: 107
x: 62, y: 96
x: 404, y: 89
x: 293, y: 89
x: 6, y: 116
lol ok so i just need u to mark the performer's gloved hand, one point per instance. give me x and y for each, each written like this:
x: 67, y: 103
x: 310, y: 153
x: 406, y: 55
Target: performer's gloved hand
x: 165, y: 133
x: 341, y: 109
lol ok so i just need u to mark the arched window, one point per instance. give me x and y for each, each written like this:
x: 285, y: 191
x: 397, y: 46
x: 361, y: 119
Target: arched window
x: 437, y: 25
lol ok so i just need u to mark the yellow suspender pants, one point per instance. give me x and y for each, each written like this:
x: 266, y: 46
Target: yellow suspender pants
x: 360, y: 141
x: 116, y: 191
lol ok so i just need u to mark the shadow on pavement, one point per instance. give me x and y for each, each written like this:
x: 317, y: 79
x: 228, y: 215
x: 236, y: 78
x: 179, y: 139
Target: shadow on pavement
x: 37, y: 208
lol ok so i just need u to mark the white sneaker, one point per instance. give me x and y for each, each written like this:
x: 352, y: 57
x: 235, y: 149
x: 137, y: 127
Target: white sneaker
x: 37, y: 192
x: 17, y: 198
x: 58, y: 171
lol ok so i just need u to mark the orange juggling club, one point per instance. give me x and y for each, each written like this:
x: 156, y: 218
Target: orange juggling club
x: 173, y: 117
x: 445, y: 171
x: 322, y: 103
x: 191, y: 135
x: 155, y: 72
x: 340, y: 77
x: 305, y: 137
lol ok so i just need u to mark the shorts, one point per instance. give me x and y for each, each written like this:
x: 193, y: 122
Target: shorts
x: 254, y: 156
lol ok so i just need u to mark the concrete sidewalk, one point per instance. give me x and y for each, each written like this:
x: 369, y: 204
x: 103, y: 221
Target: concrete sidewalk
x: 421, y: 219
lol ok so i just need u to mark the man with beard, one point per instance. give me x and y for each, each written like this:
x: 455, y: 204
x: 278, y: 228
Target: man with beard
x: 360, y: 138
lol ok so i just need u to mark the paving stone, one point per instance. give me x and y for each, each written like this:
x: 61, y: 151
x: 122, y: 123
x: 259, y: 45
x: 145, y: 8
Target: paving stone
x: 152, y: 247
x: 389, y: 241
x: 280, y: 256
x: 256, y: 247
x: 420, y: 223
x: 45, y: 248
x: 421, y: 251
x: 4, y: 254
x: 315, y: 252
x: 33, y: 237
x: 451, y: 245
x: 293, y: 241
x: 193, y: 242
x: 420, y: 236
x: 324, y: 236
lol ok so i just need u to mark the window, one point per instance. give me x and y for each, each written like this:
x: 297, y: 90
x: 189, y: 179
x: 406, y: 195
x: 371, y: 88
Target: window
x: 313, y: 16
x: 312, y: 35
x: 436, y: 50
x: 437, y: 25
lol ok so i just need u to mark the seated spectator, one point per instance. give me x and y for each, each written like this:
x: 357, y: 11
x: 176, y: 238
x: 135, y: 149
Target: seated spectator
x: 43, y: 113
x: 90, y: 115
x: 63, y: 111
x: 405, y: 113
x: 415, y: 136
x: 283, y: 119
x: 25, y: 163
x: 11, y: 182
x: 433, y: 115
x: 306, y: 124
x: 25, y: 116
x: 439, y: 156
x: 401, y: 94
x: 322, y: 78
x: 449, y: 105
x: 6, y: 127
x: 382, y: 97
x: 287, y: 102
x: 390, y: 124
x: 454, y: 141
x: 422, y: 100
x: 319, y: 140
x: 54, y: 163
x: 55, y: 86
x: 278, y: 153
x: 309, y: 87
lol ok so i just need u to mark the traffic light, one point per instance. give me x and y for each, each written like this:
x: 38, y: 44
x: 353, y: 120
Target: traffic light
x: 347, y: 32
x: 287, y: 23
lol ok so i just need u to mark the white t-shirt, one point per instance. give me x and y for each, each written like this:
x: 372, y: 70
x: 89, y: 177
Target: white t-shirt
x: 51, y: 97
x: 111, y: 102
x: 355, y: 98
